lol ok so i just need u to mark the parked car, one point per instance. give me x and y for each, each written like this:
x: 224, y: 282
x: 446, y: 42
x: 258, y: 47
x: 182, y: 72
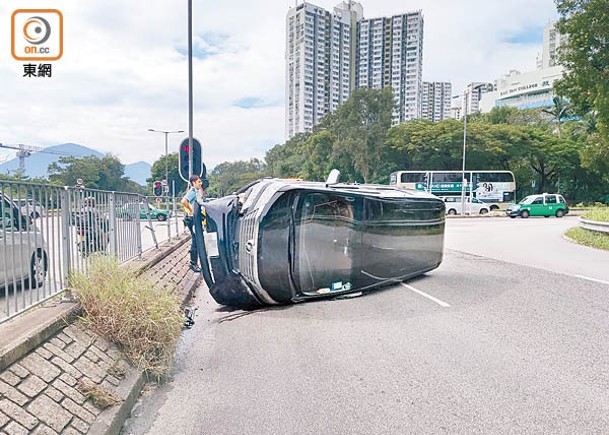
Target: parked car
x: 30, y: 207
x: 545, y: 204
x: 129, y: 211
x: 280, y: 241
x: 23, y: 257
x: 472, y: 205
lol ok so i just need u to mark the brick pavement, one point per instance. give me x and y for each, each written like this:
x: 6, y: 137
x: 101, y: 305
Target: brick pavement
x: 42, y: 392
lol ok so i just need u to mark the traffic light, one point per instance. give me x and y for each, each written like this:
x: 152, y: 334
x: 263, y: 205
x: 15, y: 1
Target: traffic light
x: 198, y: 168
x: 157, y: 188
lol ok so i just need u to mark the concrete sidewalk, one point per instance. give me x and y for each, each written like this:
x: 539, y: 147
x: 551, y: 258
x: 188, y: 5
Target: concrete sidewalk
x: 47, y: 361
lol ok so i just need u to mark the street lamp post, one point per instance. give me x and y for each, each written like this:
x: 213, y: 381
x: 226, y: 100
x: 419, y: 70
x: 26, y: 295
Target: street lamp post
x: 166, y: 133
x: 463, y: 164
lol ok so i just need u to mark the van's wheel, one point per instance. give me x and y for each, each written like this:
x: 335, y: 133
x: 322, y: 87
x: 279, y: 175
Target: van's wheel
x: 483, y: 211
x: 524, y: 214
x: 560, y: 213
x: 38, y: 269
x: 452, y: 211
x: 512, y: 216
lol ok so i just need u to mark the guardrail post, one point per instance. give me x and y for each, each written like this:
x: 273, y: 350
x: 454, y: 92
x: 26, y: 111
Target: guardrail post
x: 66, y: 254
x: 112, y: 219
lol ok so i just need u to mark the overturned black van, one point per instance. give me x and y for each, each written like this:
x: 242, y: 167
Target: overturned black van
x: 278, y: 241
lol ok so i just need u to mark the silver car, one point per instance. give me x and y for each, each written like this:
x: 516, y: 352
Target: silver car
x: 23, y: 257
x: 30, y: 207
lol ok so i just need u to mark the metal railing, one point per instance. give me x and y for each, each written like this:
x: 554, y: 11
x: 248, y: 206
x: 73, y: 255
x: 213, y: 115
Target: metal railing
x: 601, y: 227
x: 46, y: 232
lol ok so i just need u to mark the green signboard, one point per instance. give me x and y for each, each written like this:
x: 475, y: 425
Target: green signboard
x: 441, y: 187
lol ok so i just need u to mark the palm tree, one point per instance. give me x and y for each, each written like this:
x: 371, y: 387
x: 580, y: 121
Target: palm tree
x: 559, y: 111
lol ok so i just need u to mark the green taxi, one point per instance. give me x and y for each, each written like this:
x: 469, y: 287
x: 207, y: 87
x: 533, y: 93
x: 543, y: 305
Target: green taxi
x: 545, y: 204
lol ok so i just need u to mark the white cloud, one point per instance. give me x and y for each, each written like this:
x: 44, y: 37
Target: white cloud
x: 124, y: 70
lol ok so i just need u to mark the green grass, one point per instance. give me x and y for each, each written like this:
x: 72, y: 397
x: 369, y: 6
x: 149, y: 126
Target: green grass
x: 589, y: 238
x: 599, y: 214
x: 130, y: 311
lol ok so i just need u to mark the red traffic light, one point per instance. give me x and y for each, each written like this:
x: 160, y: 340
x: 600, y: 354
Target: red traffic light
x: 157, y: 184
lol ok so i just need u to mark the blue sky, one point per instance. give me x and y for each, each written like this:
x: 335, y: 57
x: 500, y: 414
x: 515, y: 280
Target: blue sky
x: 124, y: 69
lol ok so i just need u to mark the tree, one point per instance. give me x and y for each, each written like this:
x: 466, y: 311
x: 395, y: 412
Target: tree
x: 228, y: 177
x: 559, y: 111
x: 106, y: 173
x: 360, y: 127
x: 287, y: 160
x: 585, y: 55
x: 157, y: 172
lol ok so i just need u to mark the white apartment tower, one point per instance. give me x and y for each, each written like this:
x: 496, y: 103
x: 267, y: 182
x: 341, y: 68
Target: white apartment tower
x: 436, y: 101
x: 318, y: 63
x: 472, y: 96
x: 552, y: 39
x: 390, y: 53
x: 330, y: 54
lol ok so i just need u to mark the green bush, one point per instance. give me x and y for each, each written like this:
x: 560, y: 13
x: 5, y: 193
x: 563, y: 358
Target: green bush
x: 144, y: 321
x: 599, y: 214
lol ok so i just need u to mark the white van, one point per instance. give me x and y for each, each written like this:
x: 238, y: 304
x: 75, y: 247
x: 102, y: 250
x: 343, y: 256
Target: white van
x: 472, y: 205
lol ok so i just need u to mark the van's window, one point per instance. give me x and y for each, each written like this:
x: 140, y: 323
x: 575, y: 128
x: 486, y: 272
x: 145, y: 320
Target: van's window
x: 538, y: 201
x: 551, y: 199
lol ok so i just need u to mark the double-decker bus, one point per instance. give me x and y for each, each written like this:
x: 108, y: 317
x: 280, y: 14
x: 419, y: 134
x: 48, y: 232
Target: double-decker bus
x: 494, y: 187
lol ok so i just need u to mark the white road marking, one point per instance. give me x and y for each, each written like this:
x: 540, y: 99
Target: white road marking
x: 592, y: 279
x: 431, y: 298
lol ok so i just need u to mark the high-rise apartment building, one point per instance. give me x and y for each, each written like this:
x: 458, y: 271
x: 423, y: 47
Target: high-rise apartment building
x: 318, y: 63
x: 436, y: 100
x: 390, y: 54
x: 472, y: 96
x: 330, y: 54
x: 552, y: 39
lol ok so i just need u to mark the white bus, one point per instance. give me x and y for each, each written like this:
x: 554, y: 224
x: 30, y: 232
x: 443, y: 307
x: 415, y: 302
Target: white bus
x: 494, y: 187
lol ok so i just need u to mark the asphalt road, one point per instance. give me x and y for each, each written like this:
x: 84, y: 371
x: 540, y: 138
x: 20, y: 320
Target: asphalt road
x: 478, y: 346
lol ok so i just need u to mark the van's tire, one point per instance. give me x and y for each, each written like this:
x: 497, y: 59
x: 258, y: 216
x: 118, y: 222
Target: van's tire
x: 483, y: 211
x: 524, y: 214
x: 560, y: 213
x: 512, y: 216
x: 38, y: 269
x: 452, y: 211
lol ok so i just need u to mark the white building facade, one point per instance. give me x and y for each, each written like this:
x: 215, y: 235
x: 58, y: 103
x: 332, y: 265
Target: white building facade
x: 330, y: 54
x: 436, y: 101
x: 530, y: 89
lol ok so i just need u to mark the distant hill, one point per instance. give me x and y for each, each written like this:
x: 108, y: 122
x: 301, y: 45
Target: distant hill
x: 37, y: 163
x: 138, y: 172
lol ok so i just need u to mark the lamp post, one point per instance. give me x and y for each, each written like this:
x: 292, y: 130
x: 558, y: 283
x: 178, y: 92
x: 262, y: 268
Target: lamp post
x: 166, y: 133
x: 463, y: 166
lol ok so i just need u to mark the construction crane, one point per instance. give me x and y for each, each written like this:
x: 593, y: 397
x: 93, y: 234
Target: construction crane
x: 24, y: 151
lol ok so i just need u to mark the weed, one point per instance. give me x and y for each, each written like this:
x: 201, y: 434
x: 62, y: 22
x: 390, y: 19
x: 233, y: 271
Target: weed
x: 100, y: 397
x: 144, y: 320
